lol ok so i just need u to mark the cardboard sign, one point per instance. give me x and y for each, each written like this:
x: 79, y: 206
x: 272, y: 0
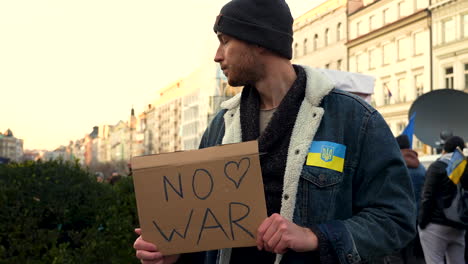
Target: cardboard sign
x: 200, y: 200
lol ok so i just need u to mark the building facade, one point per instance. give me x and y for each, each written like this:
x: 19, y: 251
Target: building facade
x: 206, y: 89
x: 390, y: 40
x: 11, y: 148
x: 320, y: 36
x: 450, y: 44
x: 168, y: 112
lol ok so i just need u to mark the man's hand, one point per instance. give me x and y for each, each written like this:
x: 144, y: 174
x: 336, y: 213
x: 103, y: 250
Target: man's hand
x: 276, y: 234
x: 148, y: 253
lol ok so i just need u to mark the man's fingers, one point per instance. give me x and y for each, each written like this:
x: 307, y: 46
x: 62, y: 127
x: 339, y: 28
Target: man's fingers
x: 271, y: 243
x: 281, y: 247
x: 138, y: 231
x: 261, y: 231
x: 140, y: 244
x: 270, y: 232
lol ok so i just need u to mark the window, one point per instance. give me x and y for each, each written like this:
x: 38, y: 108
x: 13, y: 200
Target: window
x: 386, y: 50
x: 315, y: 41
x: 401, y: 9
x: 338, y: 32
x: 419, y: 43
x: 352, y: 63
x: 339, y: 62
x: 372, y: 59
x: 466, y: 75
x: 420, y: 4
x: 449, y: 77
x: 327, y: 37
x: 401, y: 126
x: 465, y: 25
x: 305, y: 46
x: 417, y: 143
x: 448, y: 30
x: 402, y: 89
x: 402, y: 48
x: 327, y: 66
x: 360, y: 62
x: 295, y: 50
x: 372, y: 23
x: 358, y: 26
x: 419, y: 84
x: 386, y: 92
x: 385, y: 16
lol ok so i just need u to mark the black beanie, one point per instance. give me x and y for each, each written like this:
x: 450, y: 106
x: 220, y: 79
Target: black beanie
x: 403, y: 141
x: 452, y: 143
x: 267, y: 23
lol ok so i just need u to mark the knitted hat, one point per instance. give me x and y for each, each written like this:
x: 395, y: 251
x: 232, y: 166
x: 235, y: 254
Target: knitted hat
x: 403, y: 141
x: 452, y: 143
x: 267, y: 23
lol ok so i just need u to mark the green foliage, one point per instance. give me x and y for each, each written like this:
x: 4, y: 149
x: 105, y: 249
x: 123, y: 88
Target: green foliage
x: 55, y: 212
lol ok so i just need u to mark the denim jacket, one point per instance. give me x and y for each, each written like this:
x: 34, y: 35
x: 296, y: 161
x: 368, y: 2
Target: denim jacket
x: 363, y: 212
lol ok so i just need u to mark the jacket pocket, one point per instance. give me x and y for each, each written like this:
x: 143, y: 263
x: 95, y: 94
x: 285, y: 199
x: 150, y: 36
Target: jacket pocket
x: 317, y: 192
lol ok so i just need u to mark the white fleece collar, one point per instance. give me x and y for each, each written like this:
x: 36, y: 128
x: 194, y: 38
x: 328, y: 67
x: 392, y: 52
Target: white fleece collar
x: 318, y: 85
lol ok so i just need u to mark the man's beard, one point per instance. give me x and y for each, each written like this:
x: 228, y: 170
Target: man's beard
x: 247, y: 72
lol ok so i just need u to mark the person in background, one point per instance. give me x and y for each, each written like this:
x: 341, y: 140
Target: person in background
x: 412, y: 253
x: 440, y: 237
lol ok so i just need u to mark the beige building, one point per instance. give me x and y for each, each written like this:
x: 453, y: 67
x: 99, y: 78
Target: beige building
x: 390, y: 40
x: 168, y: 111
x: 320, y: 36
x: 450, y: 43
x: 11, y: 147
x: 103, y: 144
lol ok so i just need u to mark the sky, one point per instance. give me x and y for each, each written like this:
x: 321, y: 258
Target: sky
x: 66, y: 66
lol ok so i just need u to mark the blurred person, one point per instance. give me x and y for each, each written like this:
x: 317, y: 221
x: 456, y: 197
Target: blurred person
x: 440, y: 237
x: 412, y: 253
x: 337, y: 189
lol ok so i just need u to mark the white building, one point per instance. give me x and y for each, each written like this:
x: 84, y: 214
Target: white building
x: 450, y: 44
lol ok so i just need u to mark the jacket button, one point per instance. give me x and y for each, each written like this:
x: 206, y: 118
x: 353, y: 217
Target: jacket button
x: 232, y: 115
x: 314, y: 115
x: 286, y: 196
x: 322, y: 178
x: 297, y: 152
x: 350, y: 257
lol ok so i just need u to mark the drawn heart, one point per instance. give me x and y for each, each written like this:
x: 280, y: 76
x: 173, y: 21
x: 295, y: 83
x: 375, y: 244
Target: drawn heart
x: 235, y: 172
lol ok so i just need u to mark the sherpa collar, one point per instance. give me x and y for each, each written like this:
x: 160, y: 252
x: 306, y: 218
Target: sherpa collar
x: 318, y: 85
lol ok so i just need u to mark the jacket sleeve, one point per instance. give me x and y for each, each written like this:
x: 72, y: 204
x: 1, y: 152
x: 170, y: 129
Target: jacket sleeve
x: 214, y: 133
x: 384, y: 212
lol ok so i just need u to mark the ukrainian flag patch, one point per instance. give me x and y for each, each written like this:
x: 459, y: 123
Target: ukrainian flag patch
x: 326, y: 154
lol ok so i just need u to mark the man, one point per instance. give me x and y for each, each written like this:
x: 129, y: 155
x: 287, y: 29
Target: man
x: 336, y: 186
x: 440, y: 237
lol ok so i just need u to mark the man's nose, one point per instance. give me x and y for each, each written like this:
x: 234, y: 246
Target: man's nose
x: 218, y: 56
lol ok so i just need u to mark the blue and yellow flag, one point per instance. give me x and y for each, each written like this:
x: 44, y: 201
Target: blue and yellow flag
x: 326, y: 154
x: 456, y: 166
